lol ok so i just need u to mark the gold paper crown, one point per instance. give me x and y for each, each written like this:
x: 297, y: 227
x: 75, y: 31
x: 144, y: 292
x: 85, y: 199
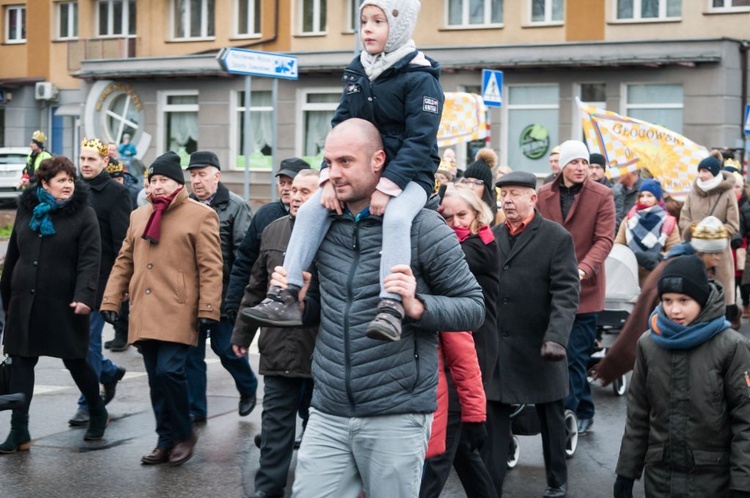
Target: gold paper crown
x: 96, y: 144
x: 114, y: 167
x: 733, y: 163
x: 39, y: 136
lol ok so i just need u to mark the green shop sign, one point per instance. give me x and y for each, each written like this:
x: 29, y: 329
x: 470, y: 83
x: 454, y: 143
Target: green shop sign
x: 534, y: 141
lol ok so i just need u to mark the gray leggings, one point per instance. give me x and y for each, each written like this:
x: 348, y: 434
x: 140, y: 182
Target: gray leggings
x: 313, y: 223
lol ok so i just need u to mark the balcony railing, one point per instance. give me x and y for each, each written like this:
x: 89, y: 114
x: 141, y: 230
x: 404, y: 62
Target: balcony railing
x: 99, y: 48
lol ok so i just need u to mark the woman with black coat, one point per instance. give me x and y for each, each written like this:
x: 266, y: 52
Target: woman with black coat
x: 470, y: 217
x: 48, y: 289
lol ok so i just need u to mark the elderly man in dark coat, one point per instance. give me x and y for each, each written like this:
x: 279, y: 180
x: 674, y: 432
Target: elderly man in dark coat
x: 536, y: 308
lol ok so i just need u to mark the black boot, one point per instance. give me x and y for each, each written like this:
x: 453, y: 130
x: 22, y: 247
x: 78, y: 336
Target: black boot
x: 98, y: 421
x: 734, y: 316
x: 19, y: 438
x: 120, y: 342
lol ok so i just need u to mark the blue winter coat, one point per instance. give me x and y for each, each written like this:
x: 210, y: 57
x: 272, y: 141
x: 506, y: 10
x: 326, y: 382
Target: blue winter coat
x: 405, y: 103
x: 360, y: 377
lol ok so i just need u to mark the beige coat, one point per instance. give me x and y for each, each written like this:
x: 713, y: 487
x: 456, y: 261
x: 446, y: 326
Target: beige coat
x: 173, y: 283
x: 722, y: 203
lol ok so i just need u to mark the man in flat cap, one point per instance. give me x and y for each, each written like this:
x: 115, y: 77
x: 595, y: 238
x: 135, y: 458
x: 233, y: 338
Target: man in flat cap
x: 248, y: 251
x: 536, y: 308
x: 234, y: 219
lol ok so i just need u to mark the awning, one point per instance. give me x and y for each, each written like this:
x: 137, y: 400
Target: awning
x: 68, y: 110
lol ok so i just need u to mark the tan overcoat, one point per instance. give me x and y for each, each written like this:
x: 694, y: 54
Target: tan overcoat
x: 173, y: 283
x: 722, y: 203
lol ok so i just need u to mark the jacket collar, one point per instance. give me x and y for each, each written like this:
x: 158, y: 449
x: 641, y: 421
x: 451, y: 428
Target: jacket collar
x: 523, y: 239
x: 99, y: 181
x: 181, y: 198
x: 220, y: 197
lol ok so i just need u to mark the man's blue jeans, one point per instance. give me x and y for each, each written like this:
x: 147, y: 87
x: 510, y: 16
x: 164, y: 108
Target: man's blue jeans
x: 580, y: 345
x: 195, y: 367
x: 103, y: 367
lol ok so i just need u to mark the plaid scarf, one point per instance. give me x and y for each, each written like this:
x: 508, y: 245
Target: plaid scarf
x: 644, y: 230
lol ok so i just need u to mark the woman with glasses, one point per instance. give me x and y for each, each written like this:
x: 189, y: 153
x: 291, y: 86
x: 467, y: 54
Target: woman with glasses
x: 478, y: 177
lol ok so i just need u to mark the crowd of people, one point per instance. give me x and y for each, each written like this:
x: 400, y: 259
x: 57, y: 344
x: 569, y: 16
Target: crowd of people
x: 405, y: 305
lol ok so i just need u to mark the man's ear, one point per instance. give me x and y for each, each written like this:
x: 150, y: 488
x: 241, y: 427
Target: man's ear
x: 106, y: 160
x: 378, y: 161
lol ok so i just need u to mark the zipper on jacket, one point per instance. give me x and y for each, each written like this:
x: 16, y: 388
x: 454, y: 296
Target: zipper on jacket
x: 347, y: 309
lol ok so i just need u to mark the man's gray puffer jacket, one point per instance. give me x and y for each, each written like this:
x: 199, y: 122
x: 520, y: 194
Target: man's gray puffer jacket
x: 359, y: 377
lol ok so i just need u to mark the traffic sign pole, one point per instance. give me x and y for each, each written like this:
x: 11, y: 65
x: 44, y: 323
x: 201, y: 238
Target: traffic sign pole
x: 247, y: 135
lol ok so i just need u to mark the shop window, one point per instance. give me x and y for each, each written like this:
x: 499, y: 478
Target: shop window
x: 657, y: 104
x: 547, y: 11
x: 474, y: 12
x: 317, y: 111
x: 261, y: 130
x: 648, y: 9
x: 15, y: 24
x: 532, y: 126
x: 248, y: 17
x: 180, y: 111
x: 193, y: 19
x: 115, y: 17
x: 67, y: 20
x: 313, y: 16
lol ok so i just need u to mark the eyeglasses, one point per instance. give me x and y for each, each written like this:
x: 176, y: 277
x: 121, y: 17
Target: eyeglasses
x: 471, y: 182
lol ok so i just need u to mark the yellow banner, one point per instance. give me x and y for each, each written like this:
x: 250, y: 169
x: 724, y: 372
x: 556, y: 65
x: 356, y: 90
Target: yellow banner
x: 630, y: 144
x: 463, y: 120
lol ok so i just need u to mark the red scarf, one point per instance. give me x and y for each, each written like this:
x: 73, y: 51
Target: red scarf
x: 485, y: 234
x: 152, y: 233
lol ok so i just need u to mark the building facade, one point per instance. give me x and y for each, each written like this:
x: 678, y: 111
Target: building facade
x: 149, y: 69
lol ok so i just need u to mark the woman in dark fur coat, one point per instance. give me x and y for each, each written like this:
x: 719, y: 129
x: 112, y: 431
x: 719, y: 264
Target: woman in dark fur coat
x: 48, y: 289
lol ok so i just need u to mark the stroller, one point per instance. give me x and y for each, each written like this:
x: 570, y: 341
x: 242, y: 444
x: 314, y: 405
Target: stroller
x: 524, y: 421
x: 621, y: 294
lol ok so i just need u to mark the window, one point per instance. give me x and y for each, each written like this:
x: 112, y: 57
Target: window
x: 248, y: 17
x: 352, y: 18
x: 547, y: 11
x: 67, y: 20
x: 474, y: 12
x: 532, y: 126
x: 657, y: 104
x: 313, y: 16
x: 123, y: 115
x: 719, y: 5
x: 15, y: 24
x: 261, y: 129
x: 317, y: 112
x: 648, y: 9
x: 180, y: 119
x: 115, y: 17
x: 193, y: 19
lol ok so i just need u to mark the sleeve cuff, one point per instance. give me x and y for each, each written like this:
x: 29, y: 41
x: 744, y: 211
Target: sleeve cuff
x: 324, y: 173
x: 388, y: 187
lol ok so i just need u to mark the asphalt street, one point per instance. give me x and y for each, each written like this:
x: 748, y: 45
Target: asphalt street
x: 61, y: 464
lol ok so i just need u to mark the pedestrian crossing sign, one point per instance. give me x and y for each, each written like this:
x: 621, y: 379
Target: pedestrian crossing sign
x: 492, y: 87
x: 747, y: 119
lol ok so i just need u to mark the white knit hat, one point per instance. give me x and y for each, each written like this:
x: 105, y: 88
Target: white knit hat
x: 710, y: 235
x: 402, y: 19
x: 572, y: 149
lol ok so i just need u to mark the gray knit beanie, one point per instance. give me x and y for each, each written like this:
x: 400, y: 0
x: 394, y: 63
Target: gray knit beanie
x: 402, y: 19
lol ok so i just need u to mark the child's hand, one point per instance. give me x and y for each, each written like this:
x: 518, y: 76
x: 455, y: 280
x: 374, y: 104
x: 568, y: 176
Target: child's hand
x: 378, y: 202
x: 329, y: 199
x: 401, y: 281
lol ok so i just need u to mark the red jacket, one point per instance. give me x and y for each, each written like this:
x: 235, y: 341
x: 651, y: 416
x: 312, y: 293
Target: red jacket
x: 457, y: 351
x: 591, y: 222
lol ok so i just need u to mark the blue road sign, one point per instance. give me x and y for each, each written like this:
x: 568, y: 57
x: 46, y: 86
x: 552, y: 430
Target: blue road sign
x: 747, y: 119
x: 492, y: 87
x: 253, y: 63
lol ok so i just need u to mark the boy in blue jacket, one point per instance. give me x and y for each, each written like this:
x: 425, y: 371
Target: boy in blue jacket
x: 395, y: 87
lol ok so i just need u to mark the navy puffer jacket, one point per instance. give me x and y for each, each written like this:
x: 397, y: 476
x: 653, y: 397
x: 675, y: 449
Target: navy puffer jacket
x: 405, y: 103
x: 359, y: 377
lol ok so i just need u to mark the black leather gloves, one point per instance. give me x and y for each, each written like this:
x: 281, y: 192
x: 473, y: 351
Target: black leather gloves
x: 109, y: 316
x: 231, y: 315
x: 475, y: 433
x: 623, y: 487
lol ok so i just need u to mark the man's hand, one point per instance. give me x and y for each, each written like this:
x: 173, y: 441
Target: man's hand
x: 552, y: 351
x: 378, y: 202
x: 623, y: 487
x: 329, y: 200
x: 80, y: 308
x: 401, y: 281
x: 278, y: 279
x: 206, y: 324
x: 239, y: 351
x: 475, y: 433
x: 109, y: 316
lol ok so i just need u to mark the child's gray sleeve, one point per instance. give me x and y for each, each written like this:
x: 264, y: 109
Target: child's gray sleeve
x: 635, y: 439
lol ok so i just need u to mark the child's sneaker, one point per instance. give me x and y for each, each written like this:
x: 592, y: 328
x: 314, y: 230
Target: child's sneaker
x: 387, y: 324
x: 280, y: 309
